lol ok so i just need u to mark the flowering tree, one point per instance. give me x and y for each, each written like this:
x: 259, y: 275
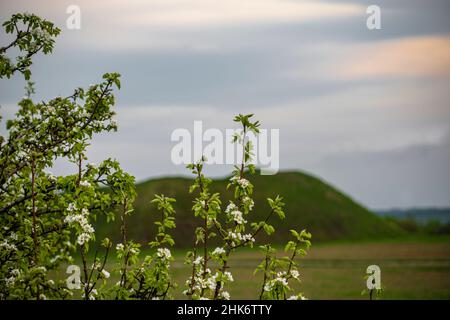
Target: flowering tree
x: 275, y: 283
x: 151, y: 278
x: 46, y: 219
x: 232, y: 226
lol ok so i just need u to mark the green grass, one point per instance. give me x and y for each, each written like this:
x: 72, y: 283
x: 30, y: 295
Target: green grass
x: 310, y: 203
x: 409, y: 270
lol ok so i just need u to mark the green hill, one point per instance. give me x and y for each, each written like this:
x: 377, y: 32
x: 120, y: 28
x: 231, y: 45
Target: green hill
x: 310, y: 203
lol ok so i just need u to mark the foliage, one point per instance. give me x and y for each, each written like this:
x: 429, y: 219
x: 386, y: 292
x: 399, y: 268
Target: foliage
x: 31, y: 35
x: 310, y: 202
x: 231, y: 225
x: 150, y: 279
x: 278, y: 272
x: 46, y: 219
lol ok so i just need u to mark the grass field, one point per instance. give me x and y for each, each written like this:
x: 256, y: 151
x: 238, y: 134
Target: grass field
x: 336, y: 271
x: 409, y: 270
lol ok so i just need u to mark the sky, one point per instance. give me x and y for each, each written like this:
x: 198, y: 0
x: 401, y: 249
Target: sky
x: 365, y: 110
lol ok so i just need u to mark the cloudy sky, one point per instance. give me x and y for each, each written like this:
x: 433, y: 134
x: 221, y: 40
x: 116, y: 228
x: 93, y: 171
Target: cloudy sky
x: 366, y: 110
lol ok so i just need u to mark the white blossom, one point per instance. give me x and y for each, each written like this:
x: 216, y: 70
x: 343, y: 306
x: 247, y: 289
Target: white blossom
x: 237, y: 217
x: 105, y: 274
x: 240, y: 237
x: 164, y: 253
x: 10, y: 281
x: 13, y: 236
x: 15, y: 272
x: 244, y: 183
x: 248, y: 202
x: 282, y: 281
x: 268, y: 286
x: 218, y: 251
x: 84, y: 183
x: 198, y: 260
x: 248, y: 237
x: 92, y: 295
x: 281, y: 274
x: 228, y: 276
x: 83, y: 238
x: 209, y: 283
x: 225, y: 295
x: 41, y: 269
x: 81, y: 219
x: 8, y: 246
x: 87, y: 228
x: 231, y: 206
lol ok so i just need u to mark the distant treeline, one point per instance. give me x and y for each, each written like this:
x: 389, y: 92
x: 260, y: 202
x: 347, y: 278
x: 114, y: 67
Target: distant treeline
x: 422, y: 220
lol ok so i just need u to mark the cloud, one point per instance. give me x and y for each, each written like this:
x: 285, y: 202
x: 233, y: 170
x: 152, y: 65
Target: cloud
x: 394, y: 59
x: 418, y: 175
x: 196, y: 25
x: 200, y: 13
x: 405, y: 57
x: 349, y: 91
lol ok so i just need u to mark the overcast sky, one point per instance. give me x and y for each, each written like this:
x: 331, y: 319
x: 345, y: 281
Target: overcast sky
x: 366, y: 110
